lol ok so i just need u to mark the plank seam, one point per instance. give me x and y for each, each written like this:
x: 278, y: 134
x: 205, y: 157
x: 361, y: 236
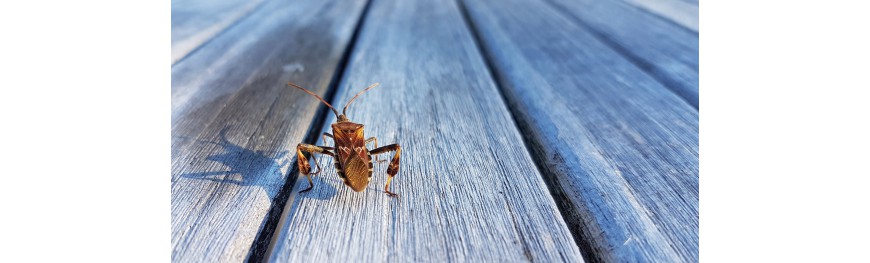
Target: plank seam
x: 265, y: 240
x: 585, y: 247
x: 261, y: 241
x: 222, y: 31
x: 639, y: 62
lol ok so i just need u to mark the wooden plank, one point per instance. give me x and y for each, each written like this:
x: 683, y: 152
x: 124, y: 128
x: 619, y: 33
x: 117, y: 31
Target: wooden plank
x: 619, y: 150
x: 469, y: 190
x: 234, y: 123
x: 667, y: 51
x: 194, y: 22
x: 680, y: 12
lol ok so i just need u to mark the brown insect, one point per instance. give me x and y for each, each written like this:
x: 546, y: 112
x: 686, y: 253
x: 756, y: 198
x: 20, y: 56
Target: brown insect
x: 353, y: 160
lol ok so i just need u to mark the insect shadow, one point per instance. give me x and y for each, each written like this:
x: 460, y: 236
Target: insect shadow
x: 248, y: 167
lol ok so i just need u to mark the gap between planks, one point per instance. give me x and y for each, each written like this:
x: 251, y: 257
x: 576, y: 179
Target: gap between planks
x: 611, y: 195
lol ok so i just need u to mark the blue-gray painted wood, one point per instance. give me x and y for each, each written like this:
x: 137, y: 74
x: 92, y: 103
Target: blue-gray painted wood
x: 619, y: 150
x: 194, y: 22
x: 664, y: 49
x: 235, y: 124
x: 679, y: 11
x: 469, y: 190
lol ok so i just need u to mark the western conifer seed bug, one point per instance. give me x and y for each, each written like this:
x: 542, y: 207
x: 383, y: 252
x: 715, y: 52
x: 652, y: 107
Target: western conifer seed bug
x: 353, y: 161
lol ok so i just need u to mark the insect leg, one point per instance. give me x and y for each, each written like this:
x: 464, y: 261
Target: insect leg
x: 302, y: 161
x: 326, y: 134
x: 393, y: 169
x: 375, y: 139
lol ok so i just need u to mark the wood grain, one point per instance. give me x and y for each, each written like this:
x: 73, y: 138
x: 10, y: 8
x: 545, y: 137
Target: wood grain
x: 194, y: 22
x: 619, y: 150
x: 665, y: 50
x: 234, y: 122
x: 469, y: 190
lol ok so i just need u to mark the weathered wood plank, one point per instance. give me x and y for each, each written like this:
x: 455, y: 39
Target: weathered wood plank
x: 469, y: 190
x: 196, y: 21
x: 619, y: 150
x: 678, y: 11
x: 667, y: 51
x: 234, y: 123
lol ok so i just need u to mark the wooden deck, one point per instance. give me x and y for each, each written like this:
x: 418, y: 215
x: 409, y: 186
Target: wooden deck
x: 553, y: 131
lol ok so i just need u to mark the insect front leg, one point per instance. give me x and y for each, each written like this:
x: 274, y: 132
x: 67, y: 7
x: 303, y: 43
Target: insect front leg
x: 393, y: 169
x: 302, y: 161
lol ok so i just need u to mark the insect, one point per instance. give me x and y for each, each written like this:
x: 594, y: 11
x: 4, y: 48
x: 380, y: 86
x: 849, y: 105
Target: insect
x: 353, y: 161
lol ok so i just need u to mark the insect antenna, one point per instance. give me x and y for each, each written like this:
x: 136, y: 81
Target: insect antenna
x: 344, y: 111
x: 315, y: 95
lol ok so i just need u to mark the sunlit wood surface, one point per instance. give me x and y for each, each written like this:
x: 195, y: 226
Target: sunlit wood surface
x: 552, y: 131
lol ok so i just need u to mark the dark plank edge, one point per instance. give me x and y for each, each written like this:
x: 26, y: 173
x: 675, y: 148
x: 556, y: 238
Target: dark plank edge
x: 520, y: 206
x: 594, y: 234
x: 665, y: 50
x: 250, y: 115
x: 267, y: 237
x: 313, y: 137
x: 586, y: 248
